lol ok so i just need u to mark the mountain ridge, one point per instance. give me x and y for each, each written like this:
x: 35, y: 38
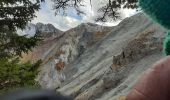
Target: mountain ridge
x: 82, y: 31
x: 100, y: 63
x: 44, y: 30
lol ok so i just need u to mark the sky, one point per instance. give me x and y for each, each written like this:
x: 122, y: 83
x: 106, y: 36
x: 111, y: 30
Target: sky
x: 47, y: 15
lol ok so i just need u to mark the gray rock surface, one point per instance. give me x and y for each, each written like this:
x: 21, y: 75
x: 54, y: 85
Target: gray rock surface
x: 47, y: 30
x: 102, y: 63
x: 66, y: 48
x: 134, y: 45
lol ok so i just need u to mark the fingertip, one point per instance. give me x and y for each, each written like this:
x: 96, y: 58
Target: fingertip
x: 135, y: 95
x: 150, y: 83
x: 162, y: 66
x: 165, y: 60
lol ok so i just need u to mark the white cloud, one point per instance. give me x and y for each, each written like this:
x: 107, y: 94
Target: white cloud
x: 47, y: 15
x: 29, y: 31
x: 92, y: 12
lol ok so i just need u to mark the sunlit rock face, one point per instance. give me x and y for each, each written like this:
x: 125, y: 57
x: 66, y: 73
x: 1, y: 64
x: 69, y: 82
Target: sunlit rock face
x: 91, y: 62
x: 109, y: 68
x: 67, y: 47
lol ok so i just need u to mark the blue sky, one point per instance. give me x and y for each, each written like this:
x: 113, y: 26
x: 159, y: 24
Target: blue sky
x: 47, y: 15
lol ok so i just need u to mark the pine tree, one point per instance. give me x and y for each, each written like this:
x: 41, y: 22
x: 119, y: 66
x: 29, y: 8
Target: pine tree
x: 15, y: 14
x: 14, y: 75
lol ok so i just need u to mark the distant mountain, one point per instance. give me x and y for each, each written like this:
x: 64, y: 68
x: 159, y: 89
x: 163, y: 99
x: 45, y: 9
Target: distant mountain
x: 48, y: 30
x: 45, y: 30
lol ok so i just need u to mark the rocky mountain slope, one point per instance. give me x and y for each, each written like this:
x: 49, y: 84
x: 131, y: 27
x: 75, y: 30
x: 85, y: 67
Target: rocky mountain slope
x: 48, y: 33
x: 109, y: 69
x: 67, y: 49
x: 101, y: 63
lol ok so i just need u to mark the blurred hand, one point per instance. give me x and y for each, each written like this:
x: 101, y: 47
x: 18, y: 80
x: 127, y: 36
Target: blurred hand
x: 154, y: 83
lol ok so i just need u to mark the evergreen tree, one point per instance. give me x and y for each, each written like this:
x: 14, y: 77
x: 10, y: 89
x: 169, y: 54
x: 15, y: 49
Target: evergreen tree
x: 15, y: 14
x: 14, y: 75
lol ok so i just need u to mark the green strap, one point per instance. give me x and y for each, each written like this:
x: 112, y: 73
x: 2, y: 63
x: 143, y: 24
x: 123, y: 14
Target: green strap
x: 159, y: 11
x: 167, y: 44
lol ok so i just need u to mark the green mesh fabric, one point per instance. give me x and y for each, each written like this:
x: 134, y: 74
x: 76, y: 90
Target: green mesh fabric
x: 167, y: 44
x: 159, y: 11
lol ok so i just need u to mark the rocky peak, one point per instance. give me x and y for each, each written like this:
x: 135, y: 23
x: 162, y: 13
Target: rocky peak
x: 45, y: 30
x: 49, y: 28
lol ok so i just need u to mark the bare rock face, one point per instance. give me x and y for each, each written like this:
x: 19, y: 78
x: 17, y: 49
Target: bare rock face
x: 65, y: 48
x: 49, y: 35
x: 108, y: 69
x: 144, y: 44
x: 100, y: 63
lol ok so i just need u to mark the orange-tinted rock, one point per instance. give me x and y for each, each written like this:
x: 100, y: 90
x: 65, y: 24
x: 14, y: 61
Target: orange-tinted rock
x: 60, y: 66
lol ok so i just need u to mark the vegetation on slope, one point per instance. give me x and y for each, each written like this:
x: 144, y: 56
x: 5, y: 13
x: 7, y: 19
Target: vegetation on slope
x: 14, y: 75
x: 12, y: 17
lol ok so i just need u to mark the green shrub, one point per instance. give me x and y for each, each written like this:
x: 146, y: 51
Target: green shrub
x: 14, y: 75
